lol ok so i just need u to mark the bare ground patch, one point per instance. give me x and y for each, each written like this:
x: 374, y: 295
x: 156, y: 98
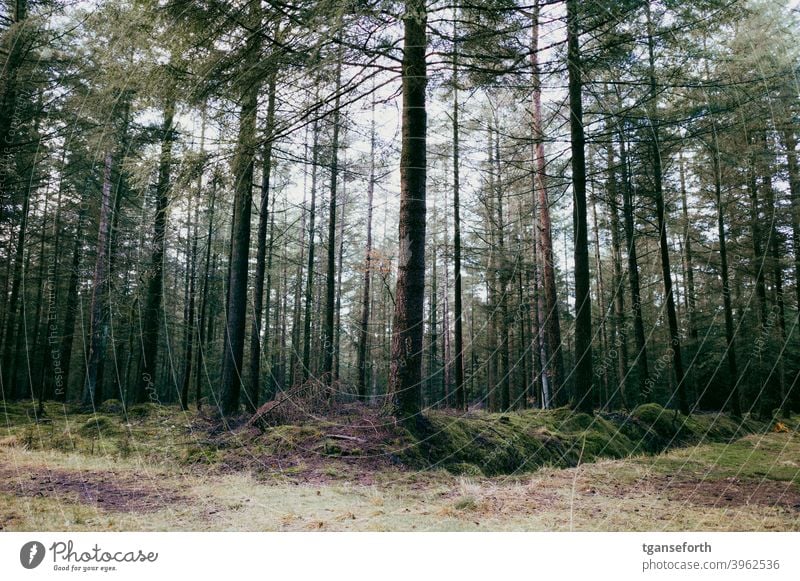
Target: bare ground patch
x: 104, y: 490
x: 733, y: 492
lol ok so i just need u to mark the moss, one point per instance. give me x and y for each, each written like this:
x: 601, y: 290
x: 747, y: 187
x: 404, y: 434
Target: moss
x: 111, y: 406
x: 99, y: 427
x: 493, y: 444
x: 287, y: 438
x: 143, y: 410
x: 202, y: 455
x: 476, y: 444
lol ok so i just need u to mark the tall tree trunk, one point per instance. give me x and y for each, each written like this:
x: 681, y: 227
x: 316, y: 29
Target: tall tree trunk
x: 97, y: 327
x: 37, y: 381
x: 446, y: 348
x: 406, y: 361
x: 758, y: 255
x: 193, y: 231
x: 280, y: 348
x: 553, y: 357
x: 583, y: 302
x: 604, y: 399
x: 14, y: 45
x: 295, y: 353
x: 363, y: 340
x: 780, y: 395
x: 492, y: 291
x: 633, y: 275
x: 688, y: 267
x: 236, y: 303
x: 203, y: 326
x: 71, y: 308
x: 310, y: 269
x: 620, y: 332
x: 733, y: 370
x: 539, y: 381
x: 9, y: 382
x: 691, y: 297
x: 790, y: 143
x: 190, y: 315
x: 672, y: 318
x: 52, y: 377
x: 254, y: 393
x: 433, y: 322
x: 460, y: 396
x: 503, y: 277
x: 337, y: 329
x: 153, y: 312
x: 268, y: 296
x: 330, y: 280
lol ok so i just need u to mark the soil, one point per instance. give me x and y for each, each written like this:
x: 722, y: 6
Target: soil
x: 734, y: 492
x: 105, y: 490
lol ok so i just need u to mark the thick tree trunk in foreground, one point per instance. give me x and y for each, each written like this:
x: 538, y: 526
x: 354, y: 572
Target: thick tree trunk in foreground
x: 236, y: 307
x: 254, y: 391
x: 583, y: 399
x: 406, y: 351
x: 460, y: 396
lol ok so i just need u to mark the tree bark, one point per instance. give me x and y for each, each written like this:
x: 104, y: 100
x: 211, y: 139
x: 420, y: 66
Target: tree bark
x: 202, y: 340
x: 620, y: 332
x: 254, y: 392
x: 583, y: 399
x: 553, y: 358
x: 310, y: 269
x: 153, y: 312
x: 236, y: 303
x: 406, y: 360
x: 459, y: 395
x: 328, y: 343
x: 365, y: 296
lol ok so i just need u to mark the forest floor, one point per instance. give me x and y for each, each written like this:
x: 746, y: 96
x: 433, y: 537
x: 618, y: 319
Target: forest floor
x: 163, y: 469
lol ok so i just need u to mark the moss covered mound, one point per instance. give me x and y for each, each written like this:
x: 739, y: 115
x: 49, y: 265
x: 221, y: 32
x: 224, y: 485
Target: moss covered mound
x: 493, y: 444
x: 360, y: 437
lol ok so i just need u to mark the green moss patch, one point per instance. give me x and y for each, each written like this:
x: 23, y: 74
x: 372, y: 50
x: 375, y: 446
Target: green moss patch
x: 363, y: 441
x: 493, y: 444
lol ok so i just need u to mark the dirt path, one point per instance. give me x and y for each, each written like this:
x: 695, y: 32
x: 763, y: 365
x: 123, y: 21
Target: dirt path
x: 106, y: 490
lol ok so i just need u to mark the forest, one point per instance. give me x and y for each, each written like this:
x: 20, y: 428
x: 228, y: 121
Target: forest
x: 355, y: 236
